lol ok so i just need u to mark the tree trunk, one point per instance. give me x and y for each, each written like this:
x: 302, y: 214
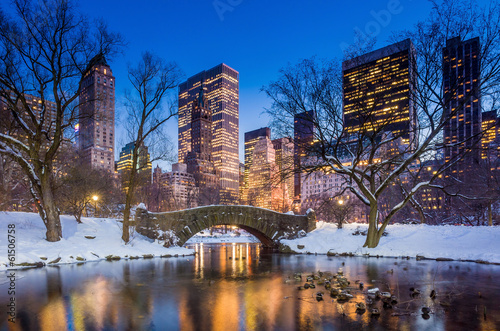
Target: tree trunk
x: 126, y: 217
x: 372, y: 237
x: 422, y: 215
x: 490, y: 215
x: 78, y: 216
x: 128, y: 204
x: 50, y: 213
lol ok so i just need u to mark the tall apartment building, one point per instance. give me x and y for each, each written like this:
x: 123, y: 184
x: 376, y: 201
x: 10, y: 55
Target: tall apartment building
x: 377, y: 93
x: 38, y: 107
x: 268, y: 177
x: 199, y: 159
x: 96, y: 135
x: 461, y: 75
x: 264, y: 189
x: 251, y: 138
x: 221, y: 84
x: 283, y: 149
x: 13, y: 182
x: 303, y: 137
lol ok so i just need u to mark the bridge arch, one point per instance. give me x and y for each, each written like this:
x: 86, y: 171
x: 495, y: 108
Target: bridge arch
x: 175, y: 228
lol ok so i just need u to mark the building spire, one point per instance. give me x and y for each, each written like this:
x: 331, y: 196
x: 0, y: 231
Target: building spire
x: 201, y: 97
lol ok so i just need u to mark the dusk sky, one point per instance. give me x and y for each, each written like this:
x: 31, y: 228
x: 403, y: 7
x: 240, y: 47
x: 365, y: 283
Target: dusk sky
x: 256, y: 38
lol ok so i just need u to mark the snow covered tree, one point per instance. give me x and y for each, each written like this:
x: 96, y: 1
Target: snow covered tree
x: 152, y: 80
x: 377, y: 156
x: 45, y: 47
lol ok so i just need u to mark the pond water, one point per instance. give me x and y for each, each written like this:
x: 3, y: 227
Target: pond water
x: 243, y: 287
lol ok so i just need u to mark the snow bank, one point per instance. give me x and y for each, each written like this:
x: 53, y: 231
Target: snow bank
x: 92, y: 240
x: 454, y: 242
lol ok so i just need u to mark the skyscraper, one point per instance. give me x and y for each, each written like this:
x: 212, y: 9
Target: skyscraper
x: 283, y: 149
x: 221, y: 84
x: 303, y: 136
x: 251, y: 138
x: 199, y: 159
x: 461, y: 87
x: 96, y: 126
x: 264, y: 189
x: 377, y: 89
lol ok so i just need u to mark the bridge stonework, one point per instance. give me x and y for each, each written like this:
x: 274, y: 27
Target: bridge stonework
x: 175, y: 228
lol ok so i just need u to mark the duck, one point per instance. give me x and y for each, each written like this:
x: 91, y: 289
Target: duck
x: 334, y: 292
x: 383, y: 295
x: 360, y: 306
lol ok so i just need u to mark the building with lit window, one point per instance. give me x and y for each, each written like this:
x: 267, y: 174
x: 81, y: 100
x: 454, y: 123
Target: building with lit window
x: 175, y: 190
x: 143, y: 166
x: 461, y: 73
x: 221, y: 84
x: 283, y: 149
x: 251, y: 138
x: 14, y: 186
x: 199, y: 159
x: 96, y: 127
x: 303, y: 137
x: 268, y: 171
x: 264, y: 189
x: 490, y: 126
x: 377, y: 93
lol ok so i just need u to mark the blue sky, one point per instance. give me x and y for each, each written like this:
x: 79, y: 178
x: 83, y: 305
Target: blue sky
x: 255, y: 37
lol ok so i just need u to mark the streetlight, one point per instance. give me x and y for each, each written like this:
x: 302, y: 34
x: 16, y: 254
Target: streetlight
x: 341, y: 202
x: 95, y: 198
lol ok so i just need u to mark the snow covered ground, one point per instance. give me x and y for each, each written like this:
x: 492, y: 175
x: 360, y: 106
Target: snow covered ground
x: 454, y: 242
x: 31, y: 246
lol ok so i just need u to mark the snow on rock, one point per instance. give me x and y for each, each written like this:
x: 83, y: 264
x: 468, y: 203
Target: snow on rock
x: 448, y: 241
x: 92, y: 240
x: 142, y: 206
x: 290, y: 212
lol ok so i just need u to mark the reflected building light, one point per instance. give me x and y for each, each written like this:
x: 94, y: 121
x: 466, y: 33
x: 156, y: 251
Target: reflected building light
x: 53, y: 316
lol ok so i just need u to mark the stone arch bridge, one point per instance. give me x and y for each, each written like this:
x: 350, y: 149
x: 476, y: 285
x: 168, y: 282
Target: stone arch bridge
x: 268, y: 226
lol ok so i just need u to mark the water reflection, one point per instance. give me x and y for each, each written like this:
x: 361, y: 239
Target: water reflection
x: 242, y: 287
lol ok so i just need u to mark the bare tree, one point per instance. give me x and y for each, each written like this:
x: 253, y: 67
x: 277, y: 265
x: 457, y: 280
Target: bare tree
x: 81, y: 183
x: 376, y: 157
x: 152, y: 80
x: 44, y: 51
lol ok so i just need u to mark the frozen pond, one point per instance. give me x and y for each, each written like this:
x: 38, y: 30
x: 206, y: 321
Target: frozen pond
x: 242, y: 287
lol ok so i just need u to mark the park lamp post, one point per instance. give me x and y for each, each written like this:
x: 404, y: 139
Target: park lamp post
x: 95, y: 198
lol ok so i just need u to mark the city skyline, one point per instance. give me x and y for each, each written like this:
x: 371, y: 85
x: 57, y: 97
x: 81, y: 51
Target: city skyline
x: 275, y: 37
